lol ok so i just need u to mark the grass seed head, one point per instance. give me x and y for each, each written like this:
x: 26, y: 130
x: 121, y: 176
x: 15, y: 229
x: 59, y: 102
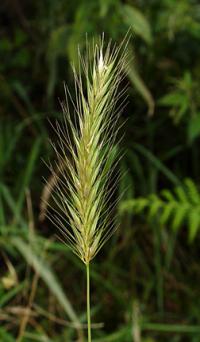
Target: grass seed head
x: 83, y: 190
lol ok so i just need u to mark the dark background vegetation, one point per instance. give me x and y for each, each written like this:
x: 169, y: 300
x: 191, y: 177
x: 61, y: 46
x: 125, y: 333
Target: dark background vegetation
x: 145, y: 282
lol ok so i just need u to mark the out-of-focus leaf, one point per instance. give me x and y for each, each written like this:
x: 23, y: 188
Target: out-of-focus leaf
x: 172, y: 99
x: 8, y: 295
x: 31, y: 164
x: 121, y: 335
x: 45, y: 272
x: 183, y: 99
x: 157, y: 163
x: 56, y: 47
x: 136, y: 20
x: 10, y: 202
x: 58, y: 41
x: 194, y: 218
x: 139, y: 84
x: 194, y: 128
x: 5, y: 336
x: 21, y: 91
x: 36, y: 337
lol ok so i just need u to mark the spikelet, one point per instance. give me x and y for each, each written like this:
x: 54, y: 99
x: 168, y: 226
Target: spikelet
x: 83, y: 190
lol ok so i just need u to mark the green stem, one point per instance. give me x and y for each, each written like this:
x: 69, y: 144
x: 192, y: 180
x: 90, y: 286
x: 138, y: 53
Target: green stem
x: 88, y: 302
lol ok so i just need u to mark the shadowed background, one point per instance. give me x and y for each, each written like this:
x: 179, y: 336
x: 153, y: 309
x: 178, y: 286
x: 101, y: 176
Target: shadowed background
x: 145, y: 282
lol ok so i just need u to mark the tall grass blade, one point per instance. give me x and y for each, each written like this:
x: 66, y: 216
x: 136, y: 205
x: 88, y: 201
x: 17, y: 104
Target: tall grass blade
x: 45, y: 272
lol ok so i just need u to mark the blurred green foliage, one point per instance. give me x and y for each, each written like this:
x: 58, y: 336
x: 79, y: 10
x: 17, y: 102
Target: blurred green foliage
x: 145, y: 283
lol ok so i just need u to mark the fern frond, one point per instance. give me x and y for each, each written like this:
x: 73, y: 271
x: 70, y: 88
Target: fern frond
x: 177, y: 208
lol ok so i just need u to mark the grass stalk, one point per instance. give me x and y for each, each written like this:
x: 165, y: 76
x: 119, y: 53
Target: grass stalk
x: 86, y: 155
x: 88, y: 302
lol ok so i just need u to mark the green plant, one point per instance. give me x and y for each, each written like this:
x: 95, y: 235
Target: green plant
x: 176, y: 208
x: 82, y: 192
x: 183, y: 101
